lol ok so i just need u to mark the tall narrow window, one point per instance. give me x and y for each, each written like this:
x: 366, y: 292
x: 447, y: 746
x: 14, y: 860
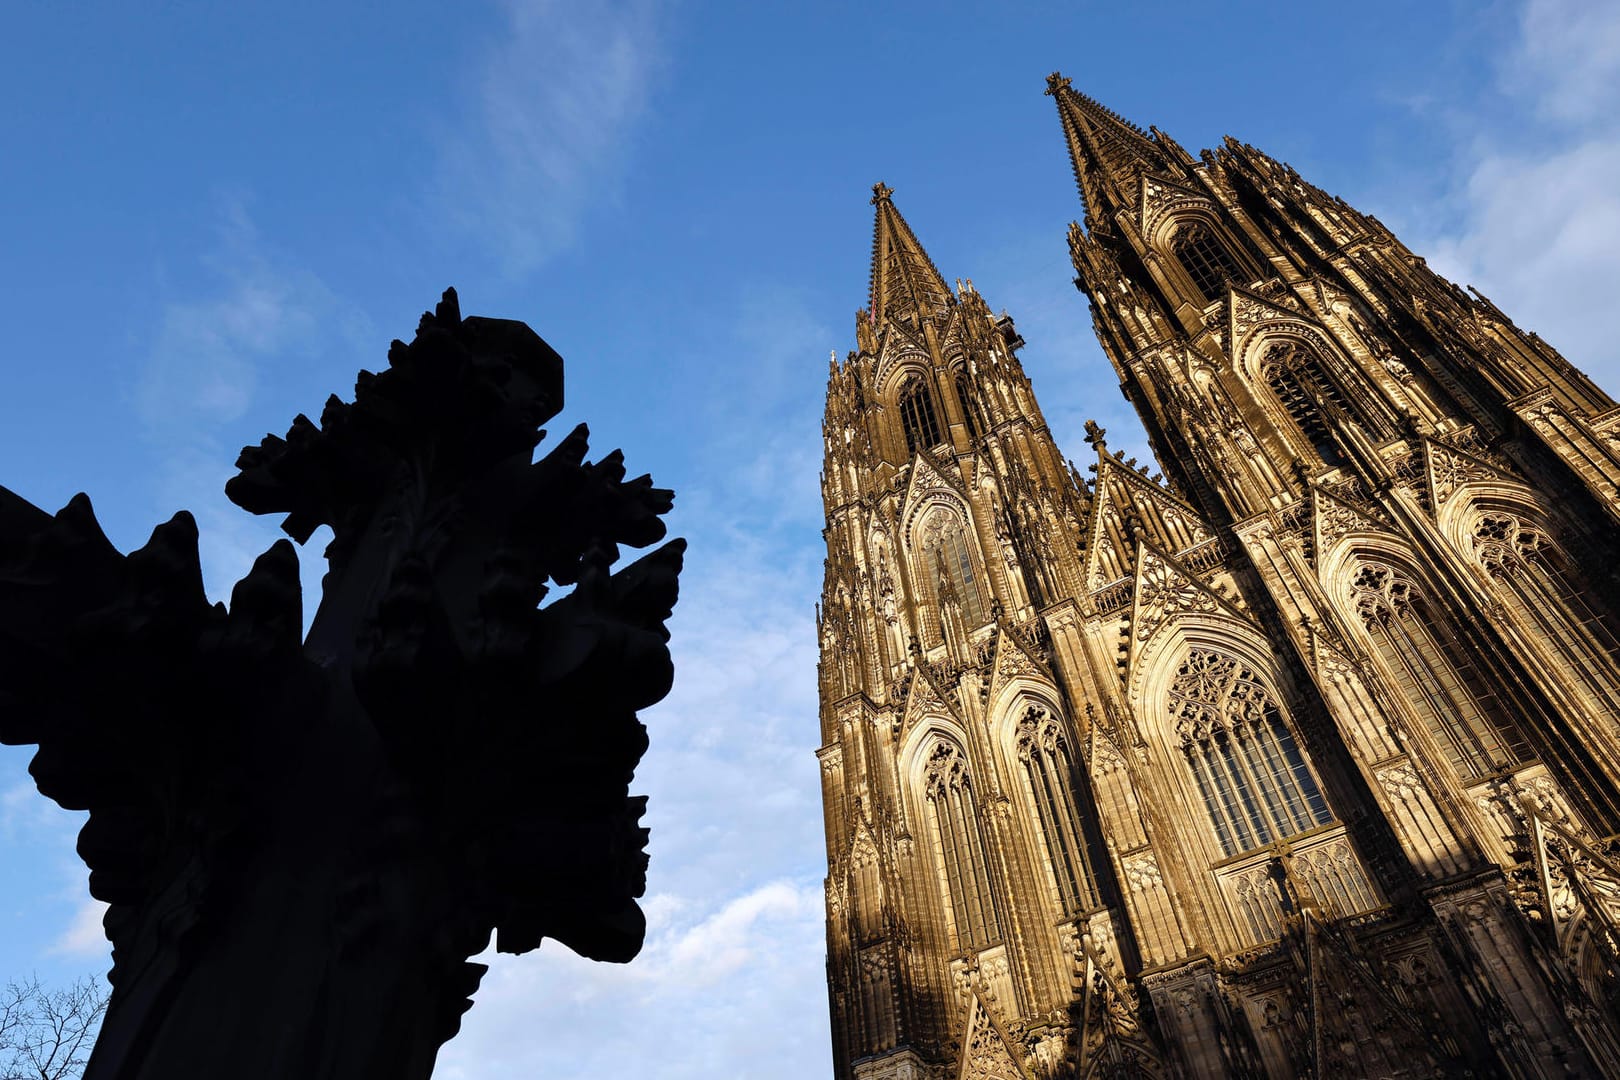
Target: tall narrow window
x: 1048, y: 776
x: 917, y: 416
x: 964, y: 398
x: 959, y: 844
x: 1531, y: 575
x: 1253, y: 779
x: 1205, y: 259
x: 945, y: 551
x: 1306, y: 393
x: 867, y: 881
x: 1433, y: 672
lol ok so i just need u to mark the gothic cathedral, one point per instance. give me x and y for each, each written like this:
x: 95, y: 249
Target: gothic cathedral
x: 1302, y: 761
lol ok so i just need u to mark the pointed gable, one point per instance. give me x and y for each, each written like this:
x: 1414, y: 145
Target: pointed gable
x: 1578, y: 884
x: 1165, y: 589
x: 1450, y: 469
x: 928, y: 480
x: 1247, y: 310
x: 986, y: 1050
x: 1160, y: 196
x: 1172, y: 524
x: 1013, y: 660
x: 1356, y: 1024
x: 1336, y: 518
x: 924, y: 699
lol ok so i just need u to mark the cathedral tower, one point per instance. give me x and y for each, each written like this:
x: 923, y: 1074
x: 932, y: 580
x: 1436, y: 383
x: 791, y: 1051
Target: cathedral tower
x: 1304, y: 762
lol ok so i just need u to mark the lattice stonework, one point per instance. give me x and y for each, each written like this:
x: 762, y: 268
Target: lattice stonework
x: 1310, y: 709
x: 1254, y: 781
x: 1434, y: 672
x: 1049, y: 779
x: 959, y: 844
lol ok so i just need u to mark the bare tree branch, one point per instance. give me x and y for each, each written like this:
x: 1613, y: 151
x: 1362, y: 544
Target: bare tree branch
x: 45, y: 1033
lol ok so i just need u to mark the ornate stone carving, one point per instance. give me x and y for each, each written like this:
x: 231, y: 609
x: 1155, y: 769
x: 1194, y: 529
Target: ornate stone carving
x: 1449, y: 470
x: 1305, y: 487
x: 301, y: 839
x: 1162, y: 592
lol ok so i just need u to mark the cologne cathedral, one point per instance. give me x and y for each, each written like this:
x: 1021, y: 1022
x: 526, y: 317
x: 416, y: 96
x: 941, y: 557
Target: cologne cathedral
x: 1302, y: 760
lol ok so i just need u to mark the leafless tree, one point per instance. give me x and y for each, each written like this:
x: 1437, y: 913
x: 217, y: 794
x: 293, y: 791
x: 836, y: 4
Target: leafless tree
x: 46, y: 1033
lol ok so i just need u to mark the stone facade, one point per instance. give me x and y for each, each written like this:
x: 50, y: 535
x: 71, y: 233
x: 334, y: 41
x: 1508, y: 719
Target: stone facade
x: 1302, y: 760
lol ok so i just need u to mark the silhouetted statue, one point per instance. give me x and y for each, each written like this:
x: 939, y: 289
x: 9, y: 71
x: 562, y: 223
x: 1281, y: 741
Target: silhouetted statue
x: 303, y: 842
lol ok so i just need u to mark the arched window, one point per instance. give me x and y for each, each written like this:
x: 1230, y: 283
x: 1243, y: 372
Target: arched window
x: 1049, y: 779
x: 954, y: 819
x: 945, y: 554
x: 1205, y: 259
x: 965, y: 399
x: 917, y: 416
x: 1532, y: 577
x: 867, y: 881
x: 1250, y: 772
x: 1432, y: 670
x: 1305, y: 392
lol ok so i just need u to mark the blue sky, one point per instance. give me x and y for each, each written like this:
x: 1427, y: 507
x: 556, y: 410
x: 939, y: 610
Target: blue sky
x: 217, y: 213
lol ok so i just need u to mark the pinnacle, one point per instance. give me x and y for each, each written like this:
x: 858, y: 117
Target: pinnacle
x: 905, y: 282
x: 1109, y: 153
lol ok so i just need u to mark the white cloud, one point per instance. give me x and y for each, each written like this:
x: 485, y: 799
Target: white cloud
x: 732, y: 989
x: 26, y: 816
x: 1568, y: 61
x: 731, y: 981
x: 556, y: 100
x: 258, y: 312
x: 1539, y: 209
x: 203, y: 368
x: 84, y: 937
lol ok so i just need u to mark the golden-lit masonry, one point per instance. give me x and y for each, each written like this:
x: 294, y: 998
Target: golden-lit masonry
x: 1304, y: 761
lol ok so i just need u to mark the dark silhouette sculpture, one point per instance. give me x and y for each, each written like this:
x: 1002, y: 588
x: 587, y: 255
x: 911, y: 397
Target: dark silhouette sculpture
x: 302, y: 842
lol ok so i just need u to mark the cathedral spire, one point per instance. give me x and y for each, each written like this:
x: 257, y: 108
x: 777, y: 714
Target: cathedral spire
x: 905, y: 282
x: 1110, y: 154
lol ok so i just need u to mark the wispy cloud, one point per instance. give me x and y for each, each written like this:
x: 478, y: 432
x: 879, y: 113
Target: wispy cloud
x: 1539, y: 207
x: 203, y: 368
x: 739, y: 992
x: 25, y: 814
x: 732, y: 972
x: 83, y: 938
x: 548, y: 125
x: 257, y: 321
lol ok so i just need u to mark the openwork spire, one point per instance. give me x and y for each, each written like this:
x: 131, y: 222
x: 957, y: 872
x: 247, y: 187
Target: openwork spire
x: 905, y: 282
x: 1110, y: 154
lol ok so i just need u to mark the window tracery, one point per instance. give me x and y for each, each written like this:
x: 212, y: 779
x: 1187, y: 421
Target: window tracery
x: 1048, y: 774
x: 946, y: 556
x: 1305, y: 392
x: 1249, y: 770
x: 917, y: 416
x: 959, y: 844
x: 1530, y: 572
x: 964, y: 398
x: 1433, y: 672
x: 1206, y: 260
